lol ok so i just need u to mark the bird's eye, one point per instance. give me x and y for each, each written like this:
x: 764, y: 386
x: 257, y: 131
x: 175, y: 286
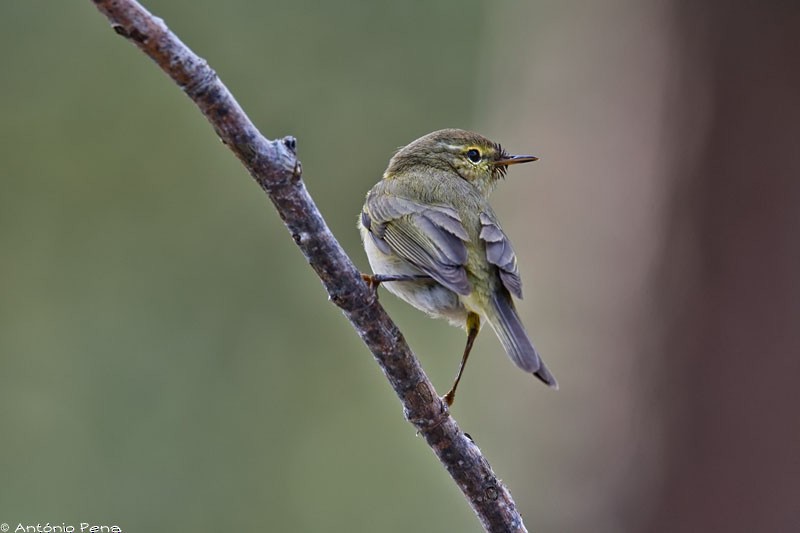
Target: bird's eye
x: 474, y: 155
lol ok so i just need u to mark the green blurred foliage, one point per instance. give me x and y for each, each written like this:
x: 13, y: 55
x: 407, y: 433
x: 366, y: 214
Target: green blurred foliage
x: 167, y: 360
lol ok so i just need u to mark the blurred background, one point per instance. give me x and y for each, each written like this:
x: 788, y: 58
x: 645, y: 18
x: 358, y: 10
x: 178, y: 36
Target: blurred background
x: 168, y: 362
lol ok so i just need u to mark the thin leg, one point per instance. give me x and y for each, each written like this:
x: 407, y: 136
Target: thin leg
x: 473, y: 326
x: 376, y: 279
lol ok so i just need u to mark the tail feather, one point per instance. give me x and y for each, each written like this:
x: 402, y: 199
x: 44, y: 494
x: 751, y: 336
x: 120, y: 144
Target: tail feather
x: 509, y: 329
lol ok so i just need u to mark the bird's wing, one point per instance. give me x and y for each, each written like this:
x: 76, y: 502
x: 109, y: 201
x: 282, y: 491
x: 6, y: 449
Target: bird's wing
x: 500, y: 253
x: 430, y: 237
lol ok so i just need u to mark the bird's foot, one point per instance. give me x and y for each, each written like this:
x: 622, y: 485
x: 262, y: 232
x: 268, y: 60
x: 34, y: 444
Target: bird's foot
x: 449, y: 398
x: 376, y: 279
x: 371, y: 282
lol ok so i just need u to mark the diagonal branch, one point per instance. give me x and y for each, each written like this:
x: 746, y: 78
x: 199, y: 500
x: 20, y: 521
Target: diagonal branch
x: 274, y: 165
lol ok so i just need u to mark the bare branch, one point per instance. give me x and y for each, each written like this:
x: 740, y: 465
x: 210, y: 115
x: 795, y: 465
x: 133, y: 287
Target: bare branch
x: 274, y: 165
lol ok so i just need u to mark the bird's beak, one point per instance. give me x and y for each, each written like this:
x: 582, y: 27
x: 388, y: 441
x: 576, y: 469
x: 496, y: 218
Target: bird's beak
x: 515, y: 159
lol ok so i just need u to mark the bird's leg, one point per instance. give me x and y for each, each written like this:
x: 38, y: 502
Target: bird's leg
x: 473, y: 326
x: 376, y: 279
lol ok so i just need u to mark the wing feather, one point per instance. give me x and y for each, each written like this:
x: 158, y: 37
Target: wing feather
x: 500, y: 253
x: 429, y: 237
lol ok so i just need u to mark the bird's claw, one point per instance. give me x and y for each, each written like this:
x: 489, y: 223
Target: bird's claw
x: 372, y: 282
x: 449, y: 398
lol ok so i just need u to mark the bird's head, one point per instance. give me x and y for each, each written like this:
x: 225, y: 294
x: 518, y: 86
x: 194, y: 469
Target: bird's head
x: 472, y: 157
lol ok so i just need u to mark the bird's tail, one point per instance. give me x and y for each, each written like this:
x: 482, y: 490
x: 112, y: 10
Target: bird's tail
x: 509, y: 329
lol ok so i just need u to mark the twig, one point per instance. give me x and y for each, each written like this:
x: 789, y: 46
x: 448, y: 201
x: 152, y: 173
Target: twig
x: 274, y: 165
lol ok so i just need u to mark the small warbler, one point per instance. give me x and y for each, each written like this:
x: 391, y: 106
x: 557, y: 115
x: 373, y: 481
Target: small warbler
x: 434, y: 241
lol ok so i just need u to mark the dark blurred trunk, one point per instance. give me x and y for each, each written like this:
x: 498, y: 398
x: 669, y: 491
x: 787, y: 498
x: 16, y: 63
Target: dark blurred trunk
x: 732, y: 273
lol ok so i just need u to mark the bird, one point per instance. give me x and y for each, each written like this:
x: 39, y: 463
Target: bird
x: 433, y: 240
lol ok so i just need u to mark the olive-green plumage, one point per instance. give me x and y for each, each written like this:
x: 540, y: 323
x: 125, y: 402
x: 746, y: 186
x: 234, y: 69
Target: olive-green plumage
x: 429, y: 225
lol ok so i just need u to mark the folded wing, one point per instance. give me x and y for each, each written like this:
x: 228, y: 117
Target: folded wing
x: 430, y: 237
x: 500, y: 253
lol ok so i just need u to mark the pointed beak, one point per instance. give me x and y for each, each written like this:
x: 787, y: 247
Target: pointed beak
x: 515, y: 159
